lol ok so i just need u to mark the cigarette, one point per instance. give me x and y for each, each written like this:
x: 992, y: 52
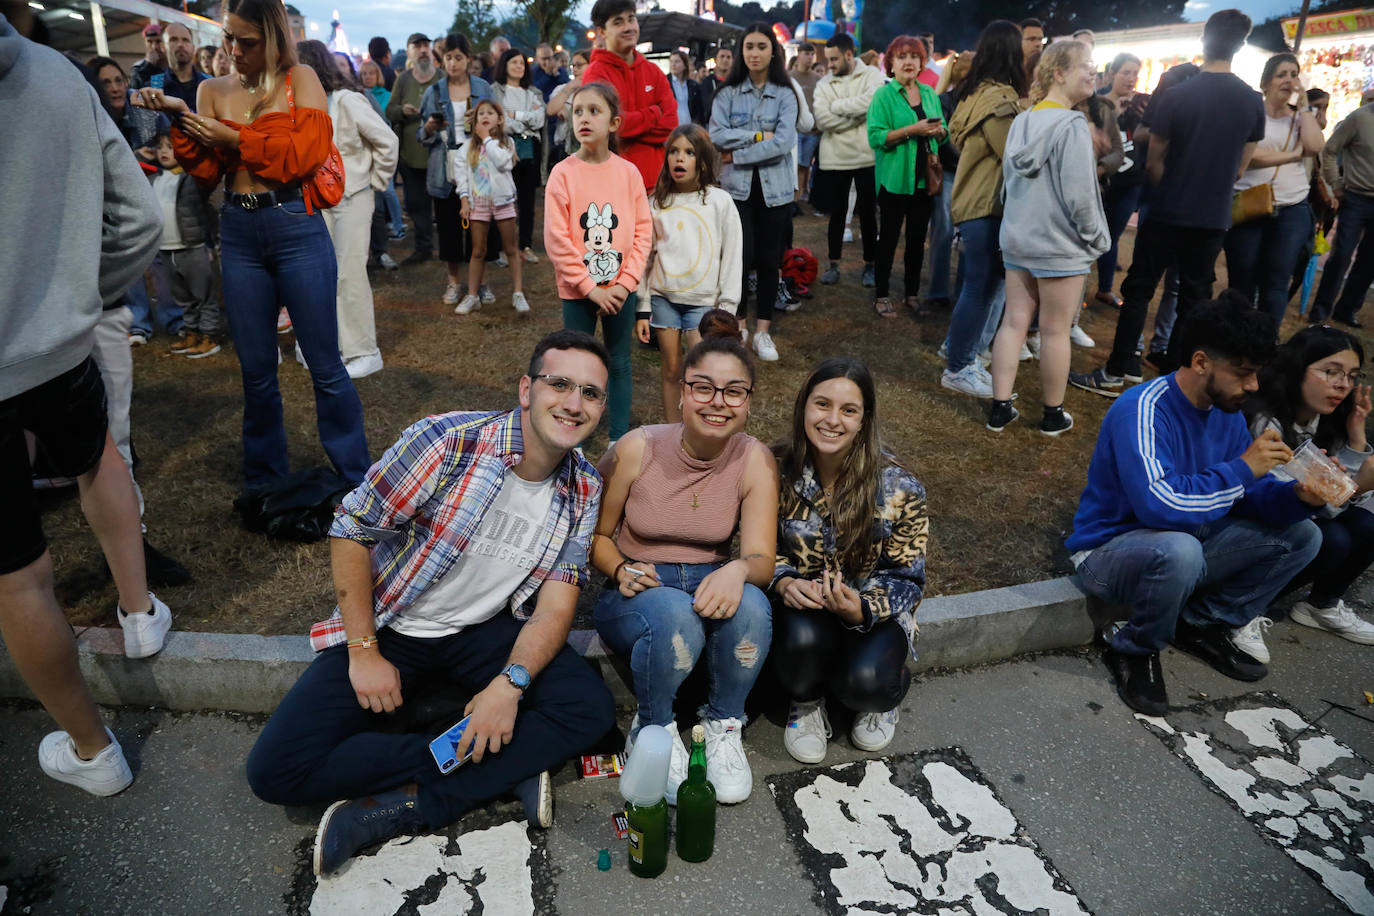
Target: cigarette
x: 635, y: 572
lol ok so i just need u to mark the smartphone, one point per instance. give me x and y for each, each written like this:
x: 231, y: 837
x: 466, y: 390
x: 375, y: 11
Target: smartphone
x: 157, y: 81
x: 444, y: 748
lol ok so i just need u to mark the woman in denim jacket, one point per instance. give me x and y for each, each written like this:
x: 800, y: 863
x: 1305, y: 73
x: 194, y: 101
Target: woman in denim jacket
x: 443, y: 127
x: 754, y: 125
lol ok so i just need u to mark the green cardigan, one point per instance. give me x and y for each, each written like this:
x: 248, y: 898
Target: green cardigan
x: 895, y: 168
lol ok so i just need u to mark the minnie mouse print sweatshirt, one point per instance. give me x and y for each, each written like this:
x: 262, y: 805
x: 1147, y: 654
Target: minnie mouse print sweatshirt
x: 597, y: 227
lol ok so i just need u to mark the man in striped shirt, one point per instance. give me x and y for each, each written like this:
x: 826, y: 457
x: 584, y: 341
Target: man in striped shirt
x: 457, y: 564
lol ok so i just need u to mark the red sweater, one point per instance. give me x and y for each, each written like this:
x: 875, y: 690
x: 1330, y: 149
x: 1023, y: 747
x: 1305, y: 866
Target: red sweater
x: 648, y: 108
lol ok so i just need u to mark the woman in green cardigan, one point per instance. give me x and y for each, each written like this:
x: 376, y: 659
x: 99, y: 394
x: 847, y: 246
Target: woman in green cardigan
x: 905, y: 127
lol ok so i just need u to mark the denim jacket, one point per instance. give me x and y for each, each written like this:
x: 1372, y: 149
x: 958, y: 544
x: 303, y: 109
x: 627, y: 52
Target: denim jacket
x: 740, y: 112
x: 435, y: 99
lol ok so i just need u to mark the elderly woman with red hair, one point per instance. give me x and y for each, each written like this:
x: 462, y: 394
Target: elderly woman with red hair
x: 905, y: 128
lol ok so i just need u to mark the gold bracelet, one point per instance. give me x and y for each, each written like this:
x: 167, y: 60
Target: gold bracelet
x: 363, y: 642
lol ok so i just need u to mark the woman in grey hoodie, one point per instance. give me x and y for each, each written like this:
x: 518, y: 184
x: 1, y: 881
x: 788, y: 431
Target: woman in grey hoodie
x: 1053, y: 228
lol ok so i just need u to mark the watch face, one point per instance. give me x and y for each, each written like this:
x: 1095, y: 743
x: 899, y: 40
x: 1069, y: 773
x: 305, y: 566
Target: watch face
x: 518, y: 676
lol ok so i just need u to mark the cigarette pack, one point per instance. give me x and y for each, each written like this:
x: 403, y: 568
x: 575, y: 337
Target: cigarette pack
x: 620, y: 824
x: 602, y: 766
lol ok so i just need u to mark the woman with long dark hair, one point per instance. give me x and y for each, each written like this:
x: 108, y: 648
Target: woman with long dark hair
x: 266, y: 130
x: 524, y: 108
x: 995, y: 84
x: 1262, y: 253
x: 1314, y: 389
x: 754, y: 125
x: 852, y: 531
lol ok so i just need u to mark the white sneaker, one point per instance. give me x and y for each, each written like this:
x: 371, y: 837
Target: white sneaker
x: 300, y: 357
x: 1079, y: 337
x: 848, y: 235
x: 807, y: 732
x: 874, y: 731
x: 388, y: 262
x: 145, y: 633
x: 1026, y: 353
x: 470, y: 303
x: 1250, y: 639
x: 529, y: 256
x: 452, y: 293
x: 363, y: 366
x: 744, y: 336
x: 763, y: 346
x: 1033, y: 344
x: 726, y: 765
x: 943, y: 352
x: 677, y: 763
x: 985, y: 375
x: 107, y: 773
x: 502, y: 260
x: 1340, y: 620
x: 968, y: 380
x: 520, y: 302
x: 985, y: 358
x: 485, y: 294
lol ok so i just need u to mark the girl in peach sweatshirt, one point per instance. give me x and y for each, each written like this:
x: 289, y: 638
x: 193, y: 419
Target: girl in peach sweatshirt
x: 598, y: 233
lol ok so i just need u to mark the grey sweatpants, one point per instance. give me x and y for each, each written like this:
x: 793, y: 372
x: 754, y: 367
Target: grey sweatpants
x: 193, y: 288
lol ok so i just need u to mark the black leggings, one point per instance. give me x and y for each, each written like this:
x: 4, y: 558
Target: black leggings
x: 893, y: 210
x: 814, y: 652
x: 762, y: 227
x: 863, y: 209
x: 1347, y: 551
x: 526, y: 175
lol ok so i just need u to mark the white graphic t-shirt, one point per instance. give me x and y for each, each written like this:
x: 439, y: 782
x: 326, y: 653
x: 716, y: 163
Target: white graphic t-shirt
x: 501, y: 554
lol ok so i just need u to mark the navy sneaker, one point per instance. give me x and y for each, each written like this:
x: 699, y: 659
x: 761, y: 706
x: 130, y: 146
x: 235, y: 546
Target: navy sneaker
x: 536, y: 795
x: 1097, y: 381
x: 350, y: 826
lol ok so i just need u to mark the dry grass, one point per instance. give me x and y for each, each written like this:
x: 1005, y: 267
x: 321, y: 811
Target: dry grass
x: 1000, y: 505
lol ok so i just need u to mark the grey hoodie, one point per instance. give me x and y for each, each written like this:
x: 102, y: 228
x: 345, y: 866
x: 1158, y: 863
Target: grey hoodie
x: 79, y: 222
x: 1052, y: 217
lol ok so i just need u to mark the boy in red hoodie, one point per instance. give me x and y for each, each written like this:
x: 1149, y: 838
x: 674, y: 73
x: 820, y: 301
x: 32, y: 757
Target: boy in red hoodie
x: 648, y: 110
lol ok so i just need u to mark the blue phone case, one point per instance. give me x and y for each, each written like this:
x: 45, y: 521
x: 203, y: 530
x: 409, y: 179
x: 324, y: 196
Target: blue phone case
x: 444, y: 748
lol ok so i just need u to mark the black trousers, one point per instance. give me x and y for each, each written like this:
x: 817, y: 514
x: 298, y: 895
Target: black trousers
x: 1347, y: 551
x: 864, y: 209
x: 1158, y: 246
x: 762, y: 227
x: 418, y: 206
x: 526, y: 175
x: 813, y: 652
x: 893, y: 210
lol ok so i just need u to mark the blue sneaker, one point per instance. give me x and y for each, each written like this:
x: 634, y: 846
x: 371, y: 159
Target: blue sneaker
x: 350, y: 826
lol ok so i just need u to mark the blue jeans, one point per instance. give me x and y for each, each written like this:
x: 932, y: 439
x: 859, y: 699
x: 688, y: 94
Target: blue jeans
x: 619, y: 331
x: 1165, y: 316
x: 941, y: 242
x: 1225, y: 573
x: 321, y: 746
x: 1119, y: 205
x: 982, y: 258
x: 280, y: 256
x: 141, y: 304
x: 393, y: 207
x: 663, y: 638
x: 1261, y: 255
x: 1356, y: 213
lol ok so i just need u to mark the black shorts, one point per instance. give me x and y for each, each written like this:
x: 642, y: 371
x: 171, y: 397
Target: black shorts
x: 67, y: 416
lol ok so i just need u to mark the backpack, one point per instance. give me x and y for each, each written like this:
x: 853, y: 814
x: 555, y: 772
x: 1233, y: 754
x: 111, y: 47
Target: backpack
x: 800, y: 266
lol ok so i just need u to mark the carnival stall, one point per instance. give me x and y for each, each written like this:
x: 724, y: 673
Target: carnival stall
x: 1337, y: 55
x: 1165, y: 46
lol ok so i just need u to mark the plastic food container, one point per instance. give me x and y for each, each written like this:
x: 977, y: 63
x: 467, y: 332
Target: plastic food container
x: 1311, y: 466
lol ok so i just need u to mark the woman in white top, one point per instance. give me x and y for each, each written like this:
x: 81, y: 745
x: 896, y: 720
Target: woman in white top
x: 1262, y: 253
x: 369, y: 149
x: 524, y: 106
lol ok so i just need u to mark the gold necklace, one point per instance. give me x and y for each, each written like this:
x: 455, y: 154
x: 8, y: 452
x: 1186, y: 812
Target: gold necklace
x: 251, y: 90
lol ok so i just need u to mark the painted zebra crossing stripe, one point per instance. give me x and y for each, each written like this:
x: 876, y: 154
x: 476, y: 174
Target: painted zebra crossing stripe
x: 1299, y: 787
x: 921, y: 831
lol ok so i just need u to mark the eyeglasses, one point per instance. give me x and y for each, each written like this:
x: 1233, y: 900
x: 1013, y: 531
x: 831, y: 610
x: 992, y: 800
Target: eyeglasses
x: 562, y: 386
x: 705, y: 393
x: 1334, y: 375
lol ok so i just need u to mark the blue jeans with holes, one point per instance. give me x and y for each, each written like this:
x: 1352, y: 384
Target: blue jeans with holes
x: 663, y: 638
x: 282, y: 256
x: 1225, y: 573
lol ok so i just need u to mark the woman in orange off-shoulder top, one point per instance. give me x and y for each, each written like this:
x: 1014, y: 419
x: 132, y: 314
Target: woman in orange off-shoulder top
x: 265, y: 129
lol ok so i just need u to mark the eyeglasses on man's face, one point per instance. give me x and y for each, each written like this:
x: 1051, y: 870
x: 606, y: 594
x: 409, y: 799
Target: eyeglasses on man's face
x: 563, y: 386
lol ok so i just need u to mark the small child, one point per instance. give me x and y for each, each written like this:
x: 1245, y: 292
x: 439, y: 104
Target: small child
x: 188, y: 229
x: 486, y: 187
x: 598, y: 232
x: 697, y: 261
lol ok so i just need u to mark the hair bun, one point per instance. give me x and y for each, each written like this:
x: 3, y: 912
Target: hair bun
x: 720, y: 323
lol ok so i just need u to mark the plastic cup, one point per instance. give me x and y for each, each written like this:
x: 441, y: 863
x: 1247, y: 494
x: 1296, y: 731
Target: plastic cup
x: 645, y: 778
x: 1311, y: 466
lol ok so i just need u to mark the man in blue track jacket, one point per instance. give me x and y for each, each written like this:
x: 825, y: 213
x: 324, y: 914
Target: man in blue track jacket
x: 1181, y: 519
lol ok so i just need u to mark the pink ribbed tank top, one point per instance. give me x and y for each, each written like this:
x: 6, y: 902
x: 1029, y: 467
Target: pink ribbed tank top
x: 679, y: 509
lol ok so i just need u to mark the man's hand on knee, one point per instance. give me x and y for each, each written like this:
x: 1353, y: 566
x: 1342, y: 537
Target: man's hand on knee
x: 493, y: 714
x: 375, y: 680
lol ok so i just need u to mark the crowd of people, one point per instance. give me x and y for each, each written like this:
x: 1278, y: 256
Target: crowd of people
x: 458, y: 557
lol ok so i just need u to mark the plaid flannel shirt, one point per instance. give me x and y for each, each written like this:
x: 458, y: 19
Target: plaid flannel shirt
x: 419, y: 507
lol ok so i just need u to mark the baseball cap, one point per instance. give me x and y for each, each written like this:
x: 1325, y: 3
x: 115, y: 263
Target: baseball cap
x: 418, y: 38
x: 152, y: 30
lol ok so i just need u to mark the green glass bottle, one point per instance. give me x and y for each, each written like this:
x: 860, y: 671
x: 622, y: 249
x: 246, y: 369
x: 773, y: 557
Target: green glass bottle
x: 648, y: 841
x: 696, y: 805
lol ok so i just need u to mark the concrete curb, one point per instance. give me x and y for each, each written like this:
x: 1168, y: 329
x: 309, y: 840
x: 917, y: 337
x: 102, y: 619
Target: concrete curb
x: 245, y: 673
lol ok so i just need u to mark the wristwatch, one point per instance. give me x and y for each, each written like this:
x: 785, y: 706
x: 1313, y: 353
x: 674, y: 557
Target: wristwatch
x: 517, y: 675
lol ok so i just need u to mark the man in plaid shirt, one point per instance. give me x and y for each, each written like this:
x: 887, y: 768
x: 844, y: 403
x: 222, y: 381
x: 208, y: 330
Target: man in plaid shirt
x: 457, y: 564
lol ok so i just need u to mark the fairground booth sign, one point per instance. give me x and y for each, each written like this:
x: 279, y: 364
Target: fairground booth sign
x: 1331, y: 25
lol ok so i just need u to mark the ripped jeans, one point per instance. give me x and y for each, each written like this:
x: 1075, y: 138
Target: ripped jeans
x: 663, y: 638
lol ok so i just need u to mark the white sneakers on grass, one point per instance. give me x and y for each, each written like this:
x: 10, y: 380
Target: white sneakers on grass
x: 1079, y: 338
x: 808, y: 731
x: 107, y: 773
x: 452, y: 293
x: 1340, y: 620
x: 973, y: 380
x: 764, y: 347
x: 145, y: 633
x: 1250, y: 639
x: 470, y: 303
x: 518, y: 300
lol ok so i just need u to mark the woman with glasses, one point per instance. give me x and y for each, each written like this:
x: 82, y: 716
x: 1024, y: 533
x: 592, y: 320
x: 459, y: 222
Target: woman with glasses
x: 675, y: 498
x: 852, y: 531
x: 1315, y: 389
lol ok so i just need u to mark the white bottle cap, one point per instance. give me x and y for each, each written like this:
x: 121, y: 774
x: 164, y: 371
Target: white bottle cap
x: 646, y: 772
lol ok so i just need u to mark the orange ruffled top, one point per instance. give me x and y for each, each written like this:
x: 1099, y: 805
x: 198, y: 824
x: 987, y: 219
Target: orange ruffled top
x: 274, y: 147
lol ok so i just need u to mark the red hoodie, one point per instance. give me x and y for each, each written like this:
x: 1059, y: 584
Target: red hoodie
x: 648, y: 108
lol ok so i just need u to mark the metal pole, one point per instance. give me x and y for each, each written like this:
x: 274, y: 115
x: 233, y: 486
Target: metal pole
x: 102, y: 44
x: 1302, y: 25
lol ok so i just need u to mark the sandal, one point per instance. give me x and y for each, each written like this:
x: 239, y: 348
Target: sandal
x: 884, y: 307
x: 1108, y: 298
x: 918, y: 308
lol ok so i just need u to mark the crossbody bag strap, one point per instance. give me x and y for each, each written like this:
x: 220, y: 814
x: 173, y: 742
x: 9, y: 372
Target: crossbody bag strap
x: 290, y: 98
x: 1291, y: 127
